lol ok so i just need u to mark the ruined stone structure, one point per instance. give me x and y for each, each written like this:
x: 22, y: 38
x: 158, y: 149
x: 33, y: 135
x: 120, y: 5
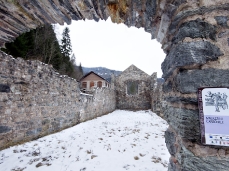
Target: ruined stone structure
x: 157, y: 99
x: 195, y: 36
x: 103, y: 101
x: 36, y: 101
x: 133, y: 89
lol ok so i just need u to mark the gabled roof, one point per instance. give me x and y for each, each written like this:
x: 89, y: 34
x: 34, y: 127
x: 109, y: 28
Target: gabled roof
x: 92, y: 73
x: 132, y: 68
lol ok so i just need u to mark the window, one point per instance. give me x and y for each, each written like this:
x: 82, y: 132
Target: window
x: 84, y: 84
x: 92, y: 84
x: 99, y: 84
x: 132, y: 88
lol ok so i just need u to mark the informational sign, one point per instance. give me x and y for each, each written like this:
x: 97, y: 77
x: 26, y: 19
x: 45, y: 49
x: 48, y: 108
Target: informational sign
x: 214, y: 116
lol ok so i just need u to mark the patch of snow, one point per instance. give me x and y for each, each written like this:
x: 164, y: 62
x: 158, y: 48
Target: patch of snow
x: 86, y: 94
x: 119, y: 141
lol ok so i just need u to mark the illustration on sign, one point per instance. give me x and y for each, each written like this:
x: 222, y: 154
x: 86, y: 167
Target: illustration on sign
x: 217, y: 99
x: 214, y: 116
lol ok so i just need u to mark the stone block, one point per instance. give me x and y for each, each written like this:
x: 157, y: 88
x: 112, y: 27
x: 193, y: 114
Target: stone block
x: 167, y: 87
x: 222, y: 20
x: 45, y: 121
x: 190, y: 81
x: 195, y: 29
x: 185, y: 100
x: 4, y: 88
x: 33, y: 132
x: 170, y: 139
x: 173, y: 166
x: 4, y: 97
x: 8, y: 111
x: 151, y: 6
x: 4, y: 129
x: 31, y: 71
x: 197, y: 11
x: 184, y: 121
x: 55, y: 126
x: 210, y: 163
x: 189, y: 53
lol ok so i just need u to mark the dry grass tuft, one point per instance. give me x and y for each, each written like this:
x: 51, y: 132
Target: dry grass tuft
x: 93, y: 156
x: 89, y: 151
x: 136, y: 158
x: 142, y: 155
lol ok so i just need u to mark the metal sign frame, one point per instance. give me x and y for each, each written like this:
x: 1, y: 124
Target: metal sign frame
x: 214, y: 115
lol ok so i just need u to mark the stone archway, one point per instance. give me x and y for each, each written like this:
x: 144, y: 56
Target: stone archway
x: 195, y: 37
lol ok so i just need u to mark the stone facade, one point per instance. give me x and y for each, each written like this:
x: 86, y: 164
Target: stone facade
x: 195, y: 37
x: 133, y: 89
x: 36, y: 101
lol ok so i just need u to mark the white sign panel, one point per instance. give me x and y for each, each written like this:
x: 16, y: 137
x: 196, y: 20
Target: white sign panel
x: 214, y: 116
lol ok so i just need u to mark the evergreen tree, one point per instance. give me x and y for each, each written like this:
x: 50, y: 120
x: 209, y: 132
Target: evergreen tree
x: 73, y: 59
x: 80, y: 70
x: 42, y: 44
x: 38, y: 44
x: 77, y: 70
x: 66, y: 47
x: 66, y: 50
x: 21, y: 46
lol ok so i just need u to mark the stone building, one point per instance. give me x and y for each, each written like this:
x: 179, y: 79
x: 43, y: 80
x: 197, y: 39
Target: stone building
x: 133, y: 89
x: 92, y: 80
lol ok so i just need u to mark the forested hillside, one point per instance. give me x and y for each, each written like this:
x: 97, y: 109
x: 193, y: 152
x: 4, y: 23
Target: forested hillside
x: 41, y: 44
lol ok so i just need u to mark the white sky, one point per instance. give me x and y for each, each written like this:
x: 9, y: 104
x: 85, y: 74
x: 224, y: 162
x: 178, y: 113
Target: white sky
x: 114, y: 46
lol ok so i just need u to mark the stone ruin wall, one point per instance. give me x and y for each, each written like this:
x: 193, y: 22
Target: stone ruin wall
x: 195, y: 36
x: 36, y: 101
x: 140, y: 101
x: 150, y: 94
x: 156, y: 93
x: 103, y: 101
x: 196, y: 43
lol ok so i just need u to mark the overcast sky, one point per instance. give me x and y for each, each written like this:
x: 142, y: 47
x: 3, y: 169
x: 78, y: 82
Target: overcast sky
x: 114, y: 46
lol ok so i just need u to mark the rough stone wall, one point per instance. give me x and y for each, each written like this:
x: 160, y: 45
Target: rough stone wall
x: 195, y: 36
x: 197, y: 56
x: 157, y: 100
x: 139, y: 101
x: 103, y: 101
x: 19, y: 16
x: 36, y: 101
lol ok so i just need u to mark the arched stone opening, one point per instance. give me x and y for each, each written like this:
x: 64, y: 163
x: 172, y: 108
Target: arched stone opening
x: 193, y: 34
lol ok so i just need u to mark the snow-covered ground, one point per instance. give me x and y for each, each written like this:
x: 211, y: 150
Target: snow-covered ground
x: 122, y: 140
